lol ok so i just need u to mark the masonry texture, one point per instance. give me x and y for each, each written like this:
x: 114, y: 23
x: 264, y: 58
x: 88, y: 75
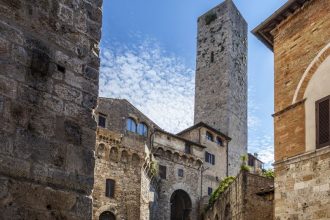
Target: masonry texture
x: 249, y: 197
x: 48, y: 87
x: 221, y: 77
x: 299, y: 35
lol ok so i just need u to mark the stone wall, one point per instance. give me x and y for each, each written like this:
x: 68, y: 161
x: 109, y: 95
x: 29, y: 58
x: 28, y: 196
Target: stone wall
x: 303, y: 186
x: 245, y: 199
x: 221, y: 77
x: 125, y: 166
x: 48, y: 86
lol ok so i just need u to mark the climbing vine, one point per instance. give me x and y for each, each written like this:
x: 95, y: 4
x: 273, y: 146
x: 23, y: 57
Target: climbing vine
x: 224, y: 184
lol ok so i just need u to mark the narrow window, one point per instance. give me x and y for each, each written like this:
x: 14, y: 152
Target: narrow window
x: 323, y: 122
x: 187, y: 149
x: 142, y: 129
x: 209, y: 190
x: 131, y: 125
x: 209, y: 136
x: 219, y: 141
x: 209, y: 158
x: 180, y: 172
x: 102, y: 120
x: 110, y: 188
x: 162, y: 172
x: 212, y: 57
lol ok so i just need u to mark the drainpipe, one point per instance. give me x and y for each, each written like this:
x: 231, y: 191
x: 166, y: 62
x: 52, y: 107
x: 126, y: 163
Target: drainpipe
x: 227, y: 172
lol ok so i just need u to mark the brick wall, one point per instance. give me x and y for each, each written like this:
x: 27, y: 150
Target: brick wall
x: 48, y: 86
x: 297, y: 41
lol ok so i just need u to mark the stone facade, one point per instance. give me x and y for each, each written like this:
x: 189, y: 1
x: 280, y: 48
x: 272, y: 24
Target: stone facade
x: 249, y: 197
x: 48, y: 87
x: 299, y: 35
x: 221, y: 77
x: 127, y: 157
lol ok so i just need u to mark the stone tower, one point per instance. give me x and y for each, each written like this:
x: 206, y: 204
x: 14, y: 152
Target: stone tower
x: 49, y: 66
x: 221, y: 77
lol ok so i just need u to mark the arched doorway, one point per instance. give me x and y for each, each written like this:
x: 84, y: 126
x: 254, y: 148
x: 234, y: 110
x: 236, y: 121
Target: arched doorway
x: 180, y: 205
x: 107, y: 216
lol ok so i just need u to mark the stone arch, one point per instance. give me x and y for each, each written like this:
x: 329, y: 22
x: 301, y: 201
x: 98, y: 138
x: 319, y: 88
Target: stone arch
x: 114, y: 154
x: 176, y: 156
x: 124, y: 156
x: 100, y: 152
x: 181, y: 205
x: 184, y: 158
x: 316, y: 89
x: 106, y: 208
x: 107, y: 216
x: 135, y: 159
x: 168, y: 154
x: 309, y: 72
x: 160, y: 151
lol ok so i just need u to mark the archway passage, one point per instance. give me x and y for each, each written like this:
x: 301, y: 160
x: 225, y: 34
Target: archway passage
x: 180, y: 205
x: 107, y: 216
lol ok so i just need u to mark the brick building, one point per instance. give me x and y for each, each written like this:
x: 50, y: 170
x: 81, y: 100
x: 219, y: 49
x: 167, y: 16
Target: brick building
x: 299, y: 34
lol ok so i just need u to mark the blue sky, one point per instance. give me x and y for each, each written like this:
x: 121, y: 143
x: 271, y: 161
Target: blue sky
x: 148, y: 53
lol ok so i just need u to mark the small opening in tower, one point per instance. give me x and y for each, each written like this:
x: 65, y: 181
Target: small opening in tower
x: 61, y: 68
x: 212, y: 57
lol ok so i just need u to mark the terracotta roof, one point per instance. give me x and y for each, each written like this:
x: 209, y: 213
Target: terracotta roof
x: 202, y: 124
x: 263, y: 31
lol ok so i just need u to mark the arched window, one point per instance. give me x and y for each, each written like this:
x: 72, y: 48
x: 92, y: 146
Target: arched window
x: 142, y: 129
x: 131, y: 125
x: 209, y: 136
x: 107, y: 216
x: 219, y: 141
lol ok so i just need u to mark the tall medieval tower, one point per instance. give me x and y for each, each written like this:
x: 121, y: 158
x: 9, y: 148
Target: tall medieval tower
x: 221, y: 77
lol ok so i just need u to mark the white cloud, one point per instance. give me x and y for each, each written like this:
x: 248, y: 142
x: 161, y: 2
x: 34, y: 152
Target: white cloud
x: 162, y: 87
x: 158, y: 84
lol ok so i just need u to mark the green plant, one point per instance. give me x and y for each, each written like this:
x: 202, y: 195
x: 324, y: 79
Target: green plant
x: 224, y: 184
x: 153, y: 168
x: 210, y: 17
x: 268, y: 173
x: 244, y: 166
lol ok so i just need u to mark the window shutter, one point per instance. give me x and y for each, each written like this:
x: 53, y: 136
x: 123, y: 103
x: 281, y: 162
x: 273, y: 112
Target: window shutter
x: 213, y: 159
x: 323, y: 122
x: 206, y: 156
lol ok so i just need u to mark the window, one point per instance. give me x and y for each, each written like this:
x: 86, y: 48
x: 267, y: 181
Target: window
x: 102, y: 120
x: 209, y: 136
x: 131, y: 125
x: 209, y: 191
x: 162, y: 172
x: 110, y: 188
x: 323, y: 122
x: 142, y: 129
x: 219, y: 141
x: 187, y: 149
x: 180, y: 172
x: 209, y: 158
x: 251, y: 161
x: 212, y: 57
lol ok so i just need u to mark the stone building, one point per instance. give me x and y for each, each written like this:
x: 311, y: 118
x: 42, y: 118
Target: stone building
x: 255, y: 164
x: 299, y: 34
x: 249, y: 197
x: 221, y: 77
x: 129, y: 148
x: 48, y: 87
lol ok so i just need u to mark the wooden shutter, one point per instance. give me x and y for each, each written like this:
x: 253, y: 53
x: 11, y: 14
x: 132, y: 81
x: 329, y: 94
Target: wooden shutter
x: 323, y: 122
